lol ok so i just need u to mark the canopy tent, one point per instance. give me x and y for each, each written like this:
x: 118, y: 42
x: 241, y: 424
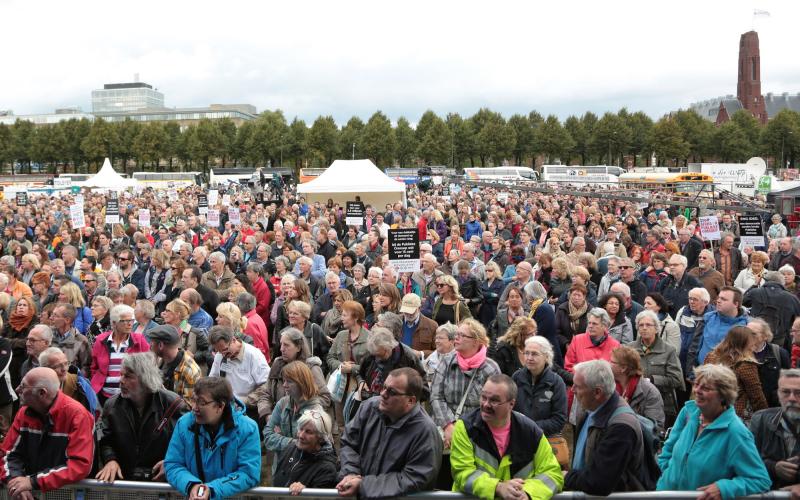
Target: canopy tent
x: 346, y: 179
x: 107, y: 178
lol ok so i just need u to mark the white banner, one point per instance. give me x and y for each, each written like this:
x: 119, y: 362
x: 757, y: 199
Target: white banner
x: 213, y: 197
x: 234, y: 217
x: 213, y: 218
x: 709, y: 227
x: 76, y: 214
x: 144, y: 217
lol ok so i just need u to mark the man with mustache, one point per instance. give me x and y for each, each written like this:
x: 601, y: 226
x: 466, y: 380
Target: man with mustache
x: 777, y: 432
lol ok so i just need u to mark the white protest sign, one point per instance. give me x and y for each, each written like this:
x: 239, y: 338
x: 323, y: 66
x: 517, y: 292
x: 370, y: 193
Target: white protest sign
x: 172, y: 195
x: 144, y: 217
x: 226, y: 200
x: 213, y: 217
x: 213, y: 197
x: 234, y: 216
x: 76, y: 214
x: 709, y: 227
x: 79, y: 199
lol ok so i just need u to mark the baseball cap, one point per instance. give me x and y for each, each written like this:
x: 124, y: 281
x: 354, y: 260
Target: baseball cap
x: 410, y: 304
x: 167, y: 334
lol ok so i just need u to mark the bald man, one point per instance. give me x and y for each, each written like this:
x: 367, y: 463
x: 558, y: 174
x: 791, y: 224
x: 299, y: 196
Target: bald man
x: 47, y: 415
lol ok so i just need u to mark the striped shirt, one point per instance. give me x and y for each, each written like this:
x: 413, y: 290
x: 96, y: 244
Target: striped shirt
x: 116, y: 353
x: 449, y: 385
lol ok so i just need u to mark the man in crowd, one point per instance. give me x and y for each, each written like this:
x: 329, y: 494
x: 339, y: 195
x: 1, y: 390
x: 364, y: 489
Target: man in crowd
x: 179, y: 371
x: 407, y: 457
x: 46, y: 416
x: 73, y: 384
x: 243, y: 365
x: 773, y: 304
x: 675, y: 287
x: 608, y: 446
x: 688, y: 318
x: 67, y: 338
x: 690, y: 247
x: 715, y: 326
x: 129, y: 273
x: 730, y: 260
x: 705, y: 272
x: 628, y: 275
x: 192, y: 279
x: 219, y: 278
x: 497, y: 452
x: 777, y: 432
x: 39, y: 338
x: 198, y: 317
x: 418, y: 331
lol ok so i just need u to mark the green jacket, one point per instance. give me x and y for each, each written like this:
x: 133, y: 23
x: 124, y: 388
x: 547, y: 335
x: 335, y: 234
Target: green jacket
x: 478, y: 467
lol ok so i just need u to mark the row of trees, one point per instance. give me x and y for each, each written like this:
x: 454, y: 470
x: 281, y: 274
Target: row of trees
x: 483, y: 139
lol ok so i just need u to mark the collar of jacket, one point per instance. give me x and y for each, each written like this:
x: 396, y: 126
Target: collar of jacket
x: 544, y: 380
x: 600, y: 419
x: 523, y: 440
x: 401, y: 422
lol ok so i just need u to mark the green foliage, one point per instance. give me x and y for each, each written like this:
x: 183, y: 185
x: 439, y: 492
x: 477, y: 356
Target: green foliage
x: 379, y: 142
x: 667, y: 141
x: 553, y: 140
x: 524, y: 138
x: 436, y: 146
x: 406, y: 141
x: 350, y: 138
x: 781, y: 136
x: 323, y: 140
x: 463, y: 139
x: 730, y: 142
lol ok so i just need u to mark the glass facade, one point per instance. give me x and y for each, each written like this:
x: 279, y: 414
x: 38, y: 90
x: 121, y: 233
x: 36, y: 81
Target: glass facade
x: 121, y: 100
x: 178, y: 115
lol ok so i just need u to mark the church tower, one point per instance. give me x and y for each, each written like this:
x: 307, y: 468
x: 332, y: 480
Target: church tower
x: 748, y: 90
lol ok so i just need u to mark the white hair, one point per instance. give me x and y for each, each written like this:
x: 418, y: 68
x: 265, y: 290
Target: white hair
x: 704, y: 295
x: 597, y: 374
x: 217, y: 256
x: 544, y: 346
x: 119, y: 310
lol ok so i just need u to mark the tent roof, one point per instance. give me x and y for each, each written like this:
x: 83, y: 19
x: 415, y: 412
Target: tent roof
x: 107, y: 178
x: 352, y: 176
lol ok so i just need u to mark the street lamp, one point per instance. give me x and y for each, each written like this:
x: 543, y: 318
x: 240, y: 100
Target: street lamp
x: 783, y: 141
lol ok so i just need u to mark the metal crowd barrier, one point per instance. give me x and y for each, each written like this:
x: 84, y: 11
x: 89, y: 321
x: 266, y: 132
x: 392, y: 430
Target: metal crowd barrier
x: 91, y: 489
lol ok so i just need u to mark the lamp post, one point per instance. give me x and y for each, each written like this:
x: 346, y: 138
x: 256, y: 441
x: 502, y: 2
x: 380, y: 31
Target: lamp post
x: 354, y: 150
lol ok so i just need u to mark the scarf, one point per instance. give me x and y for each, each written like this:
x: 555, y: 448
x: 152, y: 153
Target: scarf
x: 512, y: 314
x: 627, y: 393
x: 477, y: 359
x: 19, y: 321
x: 576, y: 314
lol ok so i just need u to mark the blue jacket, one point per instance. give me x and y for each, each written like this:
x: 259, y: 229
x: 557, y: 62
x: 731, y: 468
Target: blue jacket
x: 715, y: 327
x: 724, y: 453
x: 231, y: 462
x: 473, y: 228
x: 83, y: 319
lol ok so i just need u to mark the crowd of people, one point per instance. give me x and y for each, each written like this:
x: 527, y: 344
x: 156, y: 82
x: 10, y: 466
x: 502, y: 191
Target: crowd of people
x: 547, y: 342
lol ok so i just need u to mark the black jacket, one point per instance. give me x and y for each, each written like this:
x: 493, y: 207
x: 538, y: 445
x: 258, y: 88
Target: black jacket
x: 210, y: 300
x: 692, y: 252
x: 312, y: 470
x: 638, y: 290
x: 776, y: 306
x: 543, y: 400
x: 768, y: 431
x: 133, y: 441
x: 677, y: 291
x: 506, y: 357
x: 373, y: 370
x: 564, y: 328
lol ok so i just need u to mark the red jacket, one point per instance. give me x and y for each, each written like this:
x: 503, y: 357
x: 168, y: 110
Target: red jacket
x: 581, y: 349
x: 422, y: 227
x: 258, y: 331
x: 263, y: 300
x: 54, y: 453
x: 101, y: 357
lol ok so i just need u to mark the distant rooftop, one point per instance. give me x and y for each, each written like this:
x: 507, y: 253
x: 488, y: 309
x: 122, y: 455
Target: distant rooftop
x: 132, y: 85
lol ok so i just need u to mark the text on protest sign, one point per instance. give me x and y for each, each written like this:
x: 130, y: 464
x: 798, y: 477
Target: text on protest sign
x: 234, y: 217
x: 22, y: 199
x: 751, y: 231
x: 202, y: 204
x: 354, y: 213
x: 76, y: 214
x: 112, y: 211
x: 213, y: 217
x: 404, y: 249
x: 709, y: 227
x: 144, y: 217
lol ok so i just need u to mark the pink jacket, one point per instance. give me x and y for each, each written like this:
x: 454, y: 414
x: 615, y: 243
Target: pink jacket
x: 258, y: 331
x: 101, y: 358
x: 581, y: 349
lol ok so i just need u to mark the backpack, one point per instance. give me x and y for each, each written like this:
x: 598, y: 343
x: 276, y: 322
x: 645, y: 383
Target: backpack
x: 649, y: 471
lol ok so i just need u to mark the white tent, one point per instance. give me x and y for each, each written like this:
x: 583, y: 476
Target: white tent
x: 107, y: 178
x: 346, y: 179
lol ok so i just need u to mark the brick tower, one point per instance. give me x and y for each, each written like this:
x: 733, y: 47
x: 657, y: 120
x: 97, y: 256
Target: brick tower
x: 748, y: 90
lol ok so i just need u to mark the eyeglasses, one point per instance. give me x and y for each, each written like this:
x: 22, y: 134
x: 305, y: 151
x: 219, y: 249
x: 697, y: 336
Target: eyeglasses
x: 532, y: 354
x: 125, y: 321
x: 199, y: 403
x: 462, y: 336
x: 789, y: 392
x: 123, y: 258
x: 31, y: 341
x: 392, y: 392
x: 493, y: 402
x: 88, y: 281
x: 440, y: 285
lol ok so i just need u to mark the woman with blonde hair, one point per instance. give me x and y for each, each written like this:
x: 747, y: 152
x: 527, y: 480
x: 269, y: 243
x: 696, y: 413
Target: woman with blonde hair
x: 194, y: 341
x: 736, y: 351
x: 752, y: 275
x: 157, y: 278
x: 30, y: 266
x: 510, y: 347
x: 560, y: 280
x: 448, y: 308
x: 229, y: 315
x: 71, y: 294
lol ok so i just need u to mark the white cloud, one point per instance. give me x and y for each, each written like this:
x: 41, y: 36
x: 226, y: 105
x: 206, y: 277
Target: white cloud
x: 313, y: 58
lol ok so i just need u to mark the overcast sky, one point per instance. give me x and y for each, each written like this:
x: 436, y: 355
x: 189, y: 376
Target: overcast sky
x: 347, y: 58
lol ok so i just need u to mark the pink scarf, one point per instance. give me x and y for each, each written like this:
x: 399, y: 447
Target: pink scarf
x: 477, y: 359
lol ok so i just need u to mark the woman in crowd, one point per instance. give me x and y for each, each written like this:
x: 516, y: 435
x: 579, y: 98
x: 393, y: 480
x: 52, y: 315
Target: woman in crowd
x: 660, y: 363
x: 736, y: 352
x: 16, y: 329
x: 385, y: 354
x: 490, y: 291
x: 310, y: 459
x: 771, y: 359
x: 777, y: 230
x: 468, y: 287
x: 387, y: 300
x: 614, y: 305
x: 101, y: 306
x: 457, y: 383
x: 301, y: 395
x: 229, y: 315
x: 652, y: 275
x: 143, y: 314
x: 361, y: 286
x: 541, y: 395
x: 639, y: 392
x: 668, y: 330
x: 348, y: 352
x: 157, y: 279
x: 448, y: 307
x: 194, y: 341
x: 560, y: 280
x: 506, y: 315
x: 709, y: 449
x: 295, y: 289
x: 753, y: 274
x: 318, y: 343
x: 332, y: 322
x: 30, y: 266
x: 444, y: 341
x: 217, y: 418
x: 294, y: 347
x: 571, y: 316
x: 71, y: 294
x: 509, y: 351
